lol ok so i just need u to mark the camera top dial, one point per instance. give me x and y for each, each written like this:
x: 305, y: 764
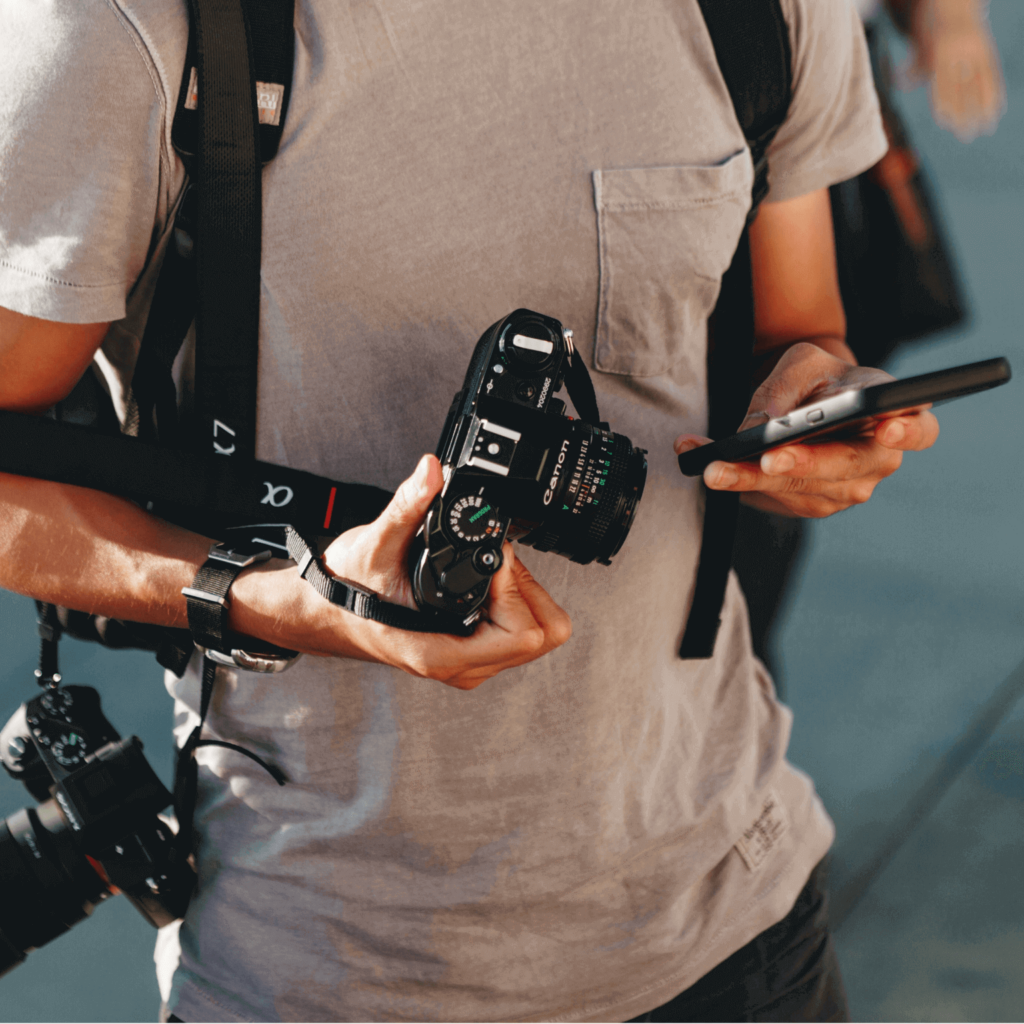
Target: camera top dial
x: 57, y: 702
x: 473, y: 520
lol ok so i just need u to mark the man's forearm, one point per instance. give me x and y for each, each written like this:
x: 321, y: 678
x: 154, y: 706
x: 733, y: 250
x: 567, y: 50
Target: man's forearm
x: 101, y: 554
x: 94, y: 552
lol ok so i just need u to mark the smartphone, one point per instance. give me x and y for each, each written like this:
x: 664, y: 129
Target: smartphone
x: 849, y: 413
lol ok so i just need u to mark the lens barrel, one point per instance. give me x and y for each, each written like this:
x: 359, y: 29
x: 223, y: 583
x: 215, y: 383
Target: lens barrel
x: 593, y: 482
x: 47, y: 885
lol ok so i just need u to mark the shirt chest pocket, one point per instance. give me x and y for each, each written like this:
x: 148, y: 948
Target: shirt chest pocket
x: 665, y: 237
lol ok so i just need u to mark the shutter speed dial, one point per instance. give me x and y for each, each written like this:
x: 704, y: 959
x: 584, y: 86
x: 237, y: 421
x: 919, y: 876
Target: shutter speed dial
x: 472, y: 520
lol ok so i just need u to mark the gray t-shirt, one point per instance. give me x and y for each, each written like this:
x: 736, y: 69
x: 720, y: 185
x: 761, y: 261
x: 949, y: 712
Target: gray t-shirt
x: 579, y: 838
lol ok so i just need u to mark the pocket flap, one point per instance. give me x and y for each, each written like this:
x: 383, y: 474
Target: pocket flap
x: 665, y: 235
x: 674, y: 188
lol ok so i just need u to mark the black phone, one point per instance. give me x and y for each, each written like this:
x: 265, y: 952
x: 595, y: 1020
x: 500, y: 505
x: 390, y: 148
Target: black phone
x: 849, y: 412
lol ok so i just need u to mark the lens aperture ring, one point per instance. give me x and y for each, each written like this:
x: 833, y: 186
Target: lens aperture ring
x: 611, y: 492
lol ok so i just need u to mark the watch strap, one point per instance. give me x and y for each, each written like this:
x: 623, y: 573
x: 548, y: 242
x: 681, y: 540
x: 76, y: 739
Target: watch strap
x: 207, y: 597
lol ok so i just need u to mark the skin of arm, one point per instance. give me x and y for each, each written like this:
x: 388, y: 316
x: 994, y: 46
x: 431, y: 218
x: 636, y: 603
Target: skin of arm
x: 93, y: 551
x: 800, y: 351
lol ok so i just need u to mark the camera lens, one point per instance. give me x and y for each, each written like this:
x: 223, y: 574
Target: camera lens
x: 593, y: 482
x: 46, y: 884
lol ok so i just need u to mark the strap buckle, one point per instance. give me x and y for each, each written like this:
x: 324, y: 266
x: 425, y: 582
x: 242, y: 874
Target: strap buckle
x: 267, y: 662
x: 222, y: 553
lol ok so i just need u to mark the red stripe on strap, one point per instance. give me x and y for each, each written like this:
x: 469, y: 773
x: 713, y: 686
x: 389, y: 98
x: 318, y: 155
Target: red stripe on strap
x: 330, y: 508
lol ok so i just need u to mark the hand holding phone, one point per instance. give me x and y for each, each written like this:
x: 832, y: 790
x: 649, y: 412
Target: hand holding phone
x: 849, y: 413
x: 838, y: 469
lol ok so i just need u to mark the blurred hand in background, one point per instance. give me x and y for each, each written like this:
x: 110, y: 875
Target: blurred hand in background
x: 953, y: 53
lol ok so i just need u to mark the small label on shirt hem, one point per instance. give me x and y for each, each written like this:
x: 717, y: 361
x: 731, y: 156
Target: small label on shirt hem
x: 764, y: 834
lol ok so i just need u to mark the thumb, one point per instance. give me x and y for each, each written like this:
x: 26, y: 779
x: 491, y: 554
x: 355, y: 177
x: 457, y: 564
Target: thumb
x: 398, y: 523
x: 687, y: 442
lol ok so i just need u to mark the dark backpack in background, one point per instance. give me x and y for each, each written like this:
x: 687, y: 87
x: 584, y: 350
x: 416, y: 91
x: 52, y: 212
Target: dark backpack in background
x: 896, y: 269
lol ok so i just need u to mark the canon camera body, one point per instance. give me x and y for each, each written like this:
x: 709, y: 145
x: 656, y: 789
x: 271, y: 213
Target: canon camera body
x: 95, y: 832
x: 516, y: 466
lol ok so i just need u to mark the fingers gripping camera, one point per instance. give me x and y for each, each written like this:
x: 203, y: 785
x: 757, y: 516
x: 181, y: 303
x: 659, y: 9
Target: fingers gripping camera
x: 516, y: 466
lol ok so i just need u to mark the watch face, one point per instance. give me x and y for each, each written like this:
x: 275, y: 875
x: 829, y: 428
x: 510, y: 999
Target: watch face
x: 472, y: 519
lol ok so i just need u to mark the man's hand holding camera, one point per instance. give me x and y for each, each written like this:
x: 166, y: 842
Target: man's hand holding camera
x: 522, y: 623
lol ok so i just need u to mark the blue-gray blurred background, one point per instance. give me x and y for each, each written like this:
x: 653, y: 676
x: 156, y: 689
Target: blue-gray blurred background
x: 906, y: 621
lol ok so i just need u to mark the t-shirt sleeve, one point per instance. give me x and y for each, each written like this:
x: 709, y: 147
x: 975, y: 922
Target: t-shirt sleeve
x: 833, y: 130
x: 82, y: 159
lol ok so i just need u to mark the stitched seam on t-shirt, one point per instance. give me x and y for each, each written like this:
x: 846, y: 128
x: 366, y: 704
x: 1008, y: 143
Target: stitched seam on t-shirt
x: 674, y: 204
x: 56, y: 280
x: 202, y: 996
x: 133, y: 32
x: 810, y: 170
x: 750, y: 904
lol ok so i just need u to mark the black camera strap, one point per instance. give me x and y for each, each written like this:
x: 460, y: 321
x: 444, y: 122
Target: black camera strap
x: 49, y: 627
x: 216, y: 495
x: 234, y: 96
x: 199, y: 491
x: 365, y: 603
x: 236, y: 87
x: 751, y: 41
x: 580, y: 386
x: 186, y: 771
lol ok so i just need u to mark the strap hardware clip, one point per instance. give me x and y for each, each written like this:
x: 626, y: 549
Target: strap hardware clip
x: 221, y: 553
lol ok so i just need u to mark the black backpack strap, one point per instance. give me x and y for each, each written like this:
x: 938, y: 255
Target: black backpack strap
x: 172, y: 311
x: 228, y: 235
x: 751, y: 42
x: 267, y: 59
x: 271, y: 26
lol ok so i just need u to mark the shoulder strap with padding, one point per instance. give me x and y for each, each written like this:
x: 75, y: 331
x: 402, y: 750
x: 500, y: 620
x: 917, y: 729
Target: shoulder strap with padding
x: 235, y: 89
x: 751, y: 42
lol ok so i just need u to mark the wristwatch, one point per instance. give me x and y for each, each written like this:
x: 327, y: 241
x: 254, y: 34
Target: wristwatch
x: 208, y: 614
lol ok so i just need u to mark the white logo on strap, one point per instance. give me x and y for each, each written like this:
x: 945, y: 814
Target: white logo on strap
x: 218, y: 448
x: 274, y: 495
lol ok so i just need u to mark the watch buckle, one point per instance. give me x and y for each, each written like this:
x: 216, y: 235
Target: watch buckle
x: 262, y: 661
x: 221, y: 553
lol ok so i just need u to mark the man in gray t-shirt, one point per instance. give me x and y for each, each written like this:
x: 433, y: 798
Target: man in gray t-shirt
x: 599, y: 825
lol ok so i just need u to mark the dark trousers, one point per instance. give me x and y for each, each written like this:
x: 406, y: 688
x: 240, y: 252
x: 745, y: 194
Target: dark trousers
x: 787, y: 973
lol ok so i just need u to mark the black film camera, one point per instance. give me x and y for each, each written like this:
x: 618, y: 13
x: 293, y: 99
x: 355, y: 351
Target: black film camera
x: 515, y: 465
x: 95, y: 832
